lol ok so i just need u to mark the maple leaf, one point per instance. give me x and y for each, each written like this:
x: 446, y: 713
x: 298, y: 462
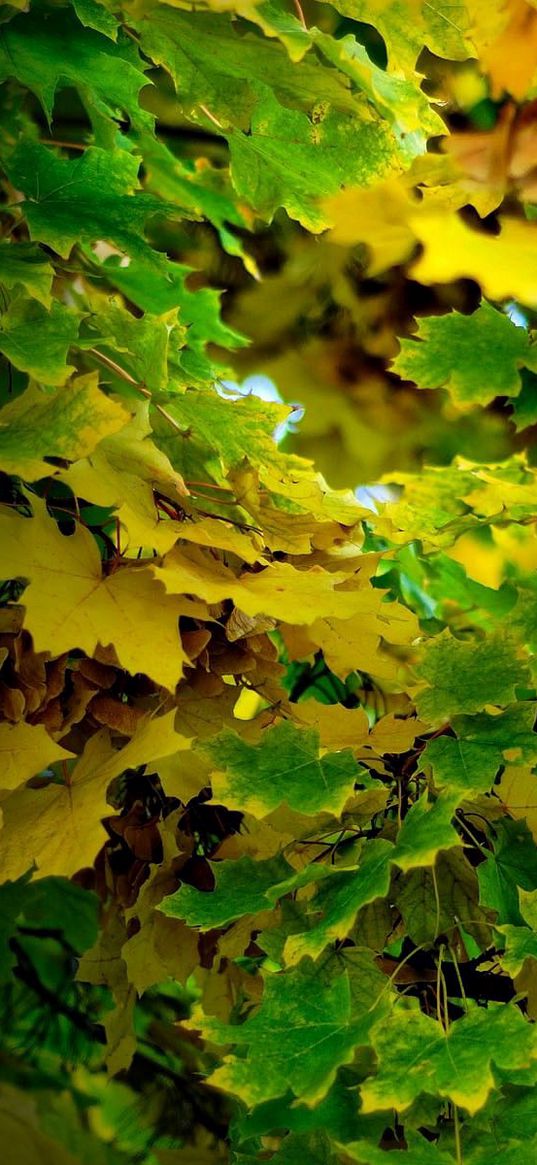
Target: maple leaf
x: 163, y: 948
x: 285, y: 767
x: 470, y: 761
x: 464, y: 677
x: 122, y: 470
x: 26, y: 265
x: 63, y: 820
x: 436, y: 900
x: 417, y: 1055
x: 87, y: 199
x: 46, y: 53
x: 518, y: 792
x: 36, y: 340
x: 298, y: 1011
x: 279, y: 590
x: 40, y: 424
x: 511, y: 864
x: 489, y: 353
x: 70, y: 604
x: 426, y: 830
x: 26, y: 749
x: 341, y: 894
x: 407, y: 27
x: 240, y: 889
x: 504, y: 265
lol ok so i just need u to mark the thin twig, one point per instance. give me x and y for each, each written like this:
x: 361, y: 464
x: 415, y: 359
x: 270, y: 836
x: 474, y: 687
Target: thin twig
x: 138, y: 387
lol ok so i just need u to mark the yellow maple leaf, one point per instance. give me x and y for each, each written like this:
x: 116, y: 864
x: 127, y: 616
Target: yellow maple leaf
x: 25, y: 750
x: 122, y: 472
x: 280, y: 590
x: 505, y: 265
x: 518, y: 791
x: 355, y: 643
x: 59, y: 827
x: 338, y: 727
x: 162, y: 948
x: 69, y: 604
x: 395, y: 734
x: 377, y: 216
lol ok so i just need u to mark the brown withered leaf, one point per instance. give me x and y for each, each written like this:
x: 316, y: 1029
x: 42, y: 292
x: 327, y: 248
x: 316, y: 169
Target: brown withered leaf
x: 194, y: 642
x: 239, y: 625
x: 121, y: 718
x: 98, y: 674
x: 502, y: 159
x: 12, y: 703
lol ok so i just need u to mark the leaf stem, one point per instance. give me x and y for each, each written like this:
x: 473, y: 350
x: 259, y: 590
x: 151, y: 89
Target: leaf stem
x: 141, y: 388
x: 298, y: 9
x: 457, y: 1135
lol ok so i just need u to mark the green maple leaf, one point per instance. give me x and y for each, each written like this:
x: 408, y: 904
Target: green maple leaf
x: 92, y: 197
x: 436, y: 901
x: 465, y: 676
x: 93, y: 14
x: 36, y: 340
x: 415, y: 1054
x: 285, y: 768
x: 97, y: 197
x: 426, y: 830
x: 341, y: 894
x: 47, y: 51
x: 418, y: 1151
x: 212, y: 64
x: 461, y: 765
x: 26, y: 265
x: 140, y: 344
x: 337, y: 1114
x: 241, y: 888
x: 305, y: 1028
x: 513, y: 863
x: 314, y: 1147
x: 470, y: 761
x: 486, y: 1152
x: 476, y: 357
x: 520, y: 944
x: 159, y: 286
x: 199, y: 309
x: 399, y: 100
x: 328, y: 152
x: 226, y: 432
x: 514, y: 1115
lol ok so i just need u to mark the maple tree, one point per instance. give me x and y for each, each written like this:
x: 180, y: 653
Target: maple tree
x: 268, y: 497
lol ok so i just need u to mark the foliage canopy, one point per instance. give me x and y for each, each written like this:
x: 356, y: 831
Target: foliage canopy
x: 268, y: 610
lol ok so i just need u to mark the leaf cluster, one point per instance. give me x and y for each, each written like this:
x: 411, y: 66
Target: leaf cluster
x: 269, y: 831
